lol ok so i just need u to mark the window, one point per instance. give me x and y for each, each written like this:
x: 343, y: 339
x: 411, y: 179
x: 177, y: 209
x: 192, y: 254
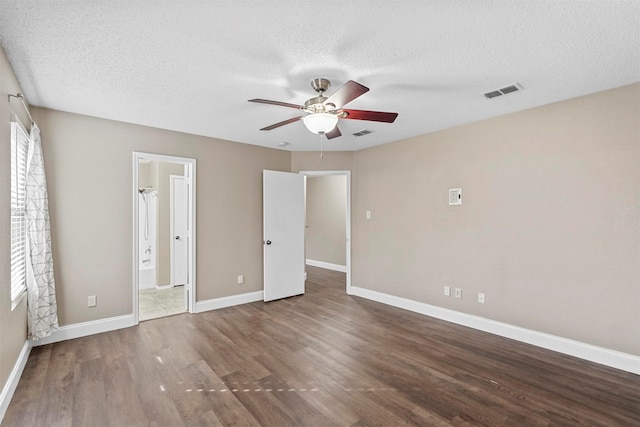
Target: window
x: 19, y: 150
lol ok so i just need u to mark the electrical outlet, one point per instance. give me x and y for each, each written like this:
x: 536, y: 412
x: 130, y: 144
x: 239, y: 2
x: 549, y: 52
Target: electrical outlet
x: 92, y: 301
x: 447, y: 291
x: 480, y: 298
x: 458, y: 293
x: 240, y: 279
x: 367, y: 214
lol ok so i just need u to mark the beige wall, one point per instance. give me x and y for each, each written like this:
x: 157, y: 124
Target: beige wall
x: 331, y: 160
x: 325, y: 219
x: 92, y: 217
x: 13, y: 323
x: 145, y: 176
x: 548, y: 229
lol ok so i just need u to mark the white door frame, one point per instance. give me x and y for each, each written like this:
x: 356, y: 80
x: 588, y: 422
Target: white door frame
x: 190, y: 176
x: 347, y: 174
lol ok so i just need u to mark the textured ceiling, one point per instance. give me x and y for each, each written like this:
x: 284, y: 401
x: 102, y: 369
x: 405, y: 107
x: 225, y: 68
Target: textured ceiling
x: 192, y: 66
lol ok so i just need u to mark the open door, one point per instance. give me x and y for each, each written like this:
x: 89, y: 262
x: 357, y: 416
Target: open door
x: 283, y: 238
x: 179, y: 243
x: 179, y: 234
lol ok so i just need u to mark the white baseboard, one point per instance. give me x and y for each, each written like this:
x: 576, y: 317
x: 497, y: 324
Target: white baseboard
x: 603, y: 356
x: 78, y: 330
x: 14, y: 377
x: 217, y: 303
x: 327, y: 265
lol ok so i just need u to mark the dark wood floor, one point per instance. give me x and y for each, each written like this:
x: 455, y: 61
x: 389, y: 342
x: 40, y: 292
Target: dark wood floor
x: 321, y: 359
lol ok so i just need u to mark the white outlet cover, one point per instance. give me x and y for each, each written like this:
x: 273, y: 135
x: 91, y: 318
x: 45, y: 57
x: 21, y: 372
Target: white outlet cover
x: 455, y: 196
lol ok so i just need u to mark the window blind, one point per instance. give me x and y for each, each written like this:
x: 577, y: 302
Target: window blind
x: 19, y: 152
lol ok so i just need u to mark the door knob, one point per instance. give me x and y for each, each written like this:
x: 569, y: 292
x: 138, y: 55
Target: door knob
x: 268, y: 242
x: 177, y: 237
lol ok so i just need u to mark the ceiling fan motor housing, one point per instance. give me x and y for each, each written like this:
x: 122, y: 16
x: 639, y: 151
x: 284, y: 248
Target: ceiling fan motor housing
x: 316, y: 105
x: 320, y: 85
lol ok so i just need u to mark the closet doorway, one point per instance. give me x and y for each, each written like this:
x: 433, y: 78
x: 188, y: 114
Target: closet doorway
x: 163, y: 235
x: 328, y: 221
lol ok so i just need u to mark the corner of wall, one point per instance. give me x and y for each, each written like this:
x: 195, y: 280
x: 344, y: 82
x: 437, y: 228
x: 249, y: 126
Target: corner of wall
x: 13, y: 323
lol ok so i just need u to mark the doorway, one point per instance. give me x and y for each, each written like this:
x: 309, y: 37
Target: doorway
x: 163, y: 235
x: 328, y: 221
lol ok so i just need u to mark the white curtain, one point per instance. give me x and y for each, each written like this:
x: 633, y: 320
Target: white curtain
x: 42, y: 310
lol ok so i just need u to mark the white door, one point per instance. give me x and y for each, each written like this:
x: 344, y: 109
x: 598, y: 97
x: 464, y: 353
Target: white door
x: 283, y: 239
x: 179, y: 235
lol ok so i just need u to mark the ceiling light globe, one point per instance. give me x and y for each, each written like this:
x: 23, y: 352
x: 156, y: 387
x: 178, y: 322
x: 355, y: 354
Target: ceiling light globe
x: 320, y: 123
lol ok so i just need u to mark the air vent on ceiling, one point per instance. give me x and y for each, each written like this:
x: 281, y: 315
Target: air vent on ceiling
x: 493, y: 94
x: 505, y: 90
x: 363, y: 132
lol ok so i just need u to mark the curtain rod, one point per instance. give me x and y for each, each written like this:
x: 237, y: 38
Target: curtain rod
x: 24, y: 104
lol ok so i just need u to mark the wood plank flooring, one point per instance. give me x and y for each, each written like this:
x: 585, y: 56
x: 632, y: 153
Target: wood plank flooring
x: 321, y: 359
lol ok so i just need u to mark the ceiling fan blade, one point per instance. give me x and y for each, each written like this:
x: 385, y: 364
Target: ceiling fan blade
x: 334, y: 133
x: 372, y: 116
x: 285, y: 122
x: 282, y: 104
x: 347, y: 93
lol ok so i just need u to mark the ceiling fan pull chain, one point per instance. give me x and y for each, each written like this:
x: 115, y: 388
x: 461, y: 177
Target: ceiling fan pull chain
x: 321, y: 147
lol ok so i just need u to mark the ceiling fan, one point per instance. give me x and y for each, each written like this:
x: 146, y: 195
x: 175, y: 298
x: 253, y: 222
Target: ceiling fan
x: 324, y: 112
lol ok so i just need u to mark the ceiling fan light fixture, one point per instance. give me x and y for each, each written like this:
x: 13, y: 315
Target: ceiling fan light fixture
x: 321, y: 114
x: 320, y: 123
